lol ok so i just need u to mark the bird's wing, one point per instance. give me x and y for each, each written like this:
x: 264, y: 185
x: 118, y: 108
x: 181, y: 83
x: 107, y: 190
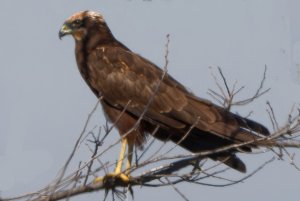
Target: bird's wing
x: 123, y: 76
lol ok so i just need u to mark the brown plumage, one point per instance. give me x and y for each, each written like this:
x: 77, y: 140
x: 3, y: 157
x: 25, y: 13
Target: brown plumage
x: 126, y: 81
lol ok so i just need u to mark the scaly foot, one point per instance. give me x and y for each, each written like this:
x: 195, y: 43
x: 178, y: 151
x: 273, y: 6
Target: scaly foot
x: 113, y: 178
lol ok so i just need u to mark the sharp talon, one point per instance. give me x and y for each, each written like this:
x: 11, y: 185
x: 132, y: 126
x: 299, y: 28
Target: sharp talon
x: 113, y: 178
x: 124, y: 178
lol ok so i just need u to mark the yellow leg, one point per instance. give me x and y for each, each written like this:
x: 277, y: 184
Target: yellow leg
x: 129, y: 159
x: 119, y: 165
x: 118, y: 171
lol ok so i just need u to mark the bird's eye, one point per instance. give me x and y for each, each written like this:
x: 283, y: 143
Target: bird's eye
x: 77, y: 23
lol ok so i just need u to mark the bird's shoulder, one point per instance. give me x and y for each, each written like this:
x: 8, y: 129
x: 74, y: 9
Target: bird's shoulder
x: 117, y: 59
x: 123, y: 74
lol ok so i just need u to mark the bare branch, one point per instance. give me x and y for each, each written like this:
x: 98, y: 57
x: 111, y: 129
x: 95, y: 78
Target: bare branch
x: 162, y: 168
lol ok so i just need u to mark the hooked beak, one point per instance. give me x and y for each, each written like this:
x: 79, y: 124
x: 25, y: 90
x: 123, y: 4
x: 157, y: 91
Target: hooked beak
x: 65, y: 30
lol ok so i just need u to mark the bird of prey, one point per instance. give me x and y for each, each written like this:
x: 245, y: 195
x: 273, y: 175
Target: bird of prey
x: 140, y: 102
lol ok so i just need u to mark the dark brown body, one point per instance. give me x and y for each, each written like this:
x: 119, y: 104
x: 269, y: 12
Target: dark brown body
x: 126, y: 82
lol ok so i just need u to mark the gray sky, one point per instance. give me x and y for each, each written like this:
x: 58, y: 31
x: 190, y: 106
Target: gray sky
x: 45, y: 102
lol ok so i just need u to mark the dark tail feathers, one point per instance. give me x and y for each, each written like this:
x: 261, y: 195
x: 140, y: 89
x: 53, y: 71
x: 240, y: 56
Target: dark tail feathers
x: 252, y: 125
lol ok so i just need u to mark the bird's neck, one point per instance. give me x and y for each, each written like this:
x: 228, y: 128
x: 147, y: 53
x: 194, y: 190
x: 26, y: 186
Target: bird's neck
x: 86, y: 46
x: 94, y: 39
x: 83, y: 48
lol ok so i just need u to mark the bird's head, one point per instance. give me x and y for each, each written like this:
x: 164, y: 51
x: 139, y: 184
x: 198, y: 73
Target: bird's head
x: 82, y: 24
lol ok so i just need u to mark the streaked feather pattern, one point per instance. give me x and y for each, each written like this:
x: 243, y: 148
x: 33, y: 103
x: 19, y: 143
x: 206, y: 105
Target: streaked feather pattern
x: 121, y: 76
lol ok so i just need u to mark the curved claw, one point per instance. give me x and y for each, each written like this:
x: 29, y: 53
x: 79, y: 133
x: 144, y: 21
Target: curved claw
x: 113, y: 178
x: 117, y: 177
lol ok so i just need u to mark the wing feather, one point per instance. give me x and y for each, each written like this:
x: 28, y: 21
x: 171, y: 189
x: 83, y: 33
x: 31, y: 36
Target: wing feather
x: 135, y: 79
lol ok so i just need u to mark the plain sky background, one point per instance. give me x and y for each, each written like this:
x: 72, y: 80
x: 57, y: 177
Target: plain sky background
x: 44, y: 102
